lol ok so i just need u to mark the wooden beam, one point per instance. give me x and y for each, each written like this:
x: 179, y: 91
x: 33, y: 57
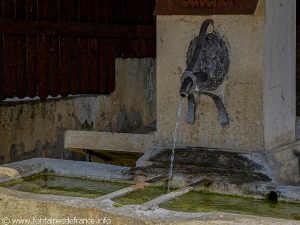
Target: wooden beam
x: 122, y: 192
x: 130, y: 189
x: 11, y: 26
x: 174, y: 194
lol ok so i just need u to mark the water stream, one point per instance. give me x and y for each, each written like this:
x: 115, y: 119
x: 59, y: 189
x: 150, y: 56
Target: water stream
x: 174, y: 142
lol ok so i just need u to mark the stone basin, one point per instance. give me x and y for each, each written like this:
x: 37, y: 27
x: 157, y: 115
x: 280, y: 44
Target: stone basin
x: 23, y: 205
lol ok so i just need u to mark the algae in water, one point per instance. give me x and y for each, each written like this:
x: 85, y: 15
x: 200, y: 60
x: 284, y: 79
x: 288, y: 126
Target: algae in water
x: 209, y: 202
x: 141, y: 196
x: 67, y: 186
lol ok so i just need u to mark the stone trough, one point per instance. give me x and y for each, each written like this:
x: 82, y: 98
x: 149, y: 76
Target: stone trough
x: 24, y: 205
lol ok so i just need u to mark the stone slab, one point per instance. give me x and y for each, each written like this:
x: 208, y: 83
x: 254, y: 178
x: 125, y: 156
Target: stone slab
x: 108, y: 141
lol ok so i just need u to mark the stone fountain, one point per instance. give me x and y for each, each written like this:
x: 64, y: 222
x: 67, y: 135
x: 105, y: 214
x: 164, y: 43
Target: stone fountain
x: 244, y: 146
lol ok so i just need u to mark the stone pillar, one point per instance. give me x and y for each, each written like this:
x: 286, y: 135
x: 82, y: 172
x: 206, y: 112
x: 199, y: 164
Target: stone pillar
x: 279, y: 87
x: 259, y: 91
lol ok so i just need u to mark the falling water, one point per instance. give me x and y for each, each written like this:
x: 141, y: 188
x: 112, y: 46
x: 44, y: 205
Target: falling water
x: 174, y: 142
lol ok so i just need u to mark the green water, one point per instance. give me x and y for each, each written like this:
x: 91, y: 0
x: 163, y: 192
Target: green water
x: 141, y: 196
x: 67, y: 186
x: 190, y: 202
x: 208, y: 202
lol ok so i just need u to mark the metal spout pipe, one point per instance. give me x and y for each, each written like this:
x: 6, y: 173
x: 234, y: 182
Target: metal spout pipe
x: 190, y: 80
x: 186, y: 86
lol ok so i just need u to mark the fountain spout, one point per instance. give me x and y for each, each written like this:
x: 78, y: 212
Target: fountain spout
x: 189, y: 81
x: 186, y: 87
x: 207, y: 64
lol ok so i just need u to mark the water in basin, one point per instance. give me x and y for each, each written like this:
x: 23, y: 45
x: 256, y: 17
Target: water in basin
x: 67, y: 186
x: 141, y: 196
x: 208, y: 202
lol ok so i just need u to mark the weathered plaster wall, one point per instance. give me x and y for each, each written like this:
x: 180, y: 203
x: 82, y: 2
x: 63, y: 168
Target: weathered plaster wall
x: 280, y: 73
x: 242, y: 91
x: 36, y: 129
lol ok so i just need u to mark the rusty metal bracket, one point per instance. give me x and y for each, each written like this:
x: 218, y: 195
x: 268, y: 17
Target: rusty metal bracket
x: 222, y: 113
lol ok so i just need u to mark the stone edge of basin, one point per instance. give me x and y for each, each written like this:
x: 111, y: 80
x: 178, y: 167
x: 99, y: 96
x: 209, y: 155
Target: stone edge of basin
x: 64, y: 168
x: 280, y: 164
x: 62, y: 206
x: 265, y: 164
x: 260, y: 159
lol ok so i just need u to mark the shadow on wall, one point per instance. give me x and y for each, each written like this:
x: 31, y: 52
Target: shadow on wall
x: 48, y: 150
